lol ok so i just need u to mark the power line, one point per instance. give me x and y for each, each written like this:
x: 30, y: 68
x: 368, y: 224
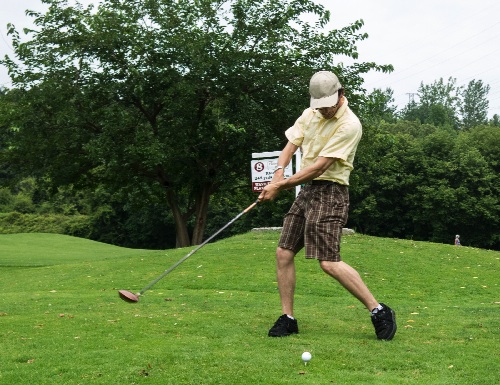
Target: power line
x: 450, y: 48
x: 442, y: 62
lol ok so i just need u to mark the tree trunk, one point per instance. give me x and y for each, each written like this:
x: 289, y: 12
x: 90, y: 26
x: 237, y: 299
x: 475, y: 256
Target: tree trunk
x: 181, y: 231
x: 202, y: 201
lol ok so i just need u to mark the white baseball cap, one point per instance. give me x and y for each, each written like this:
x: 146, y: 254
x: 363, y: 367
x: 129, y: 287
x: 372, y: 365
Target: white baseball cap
x: 323, y: 88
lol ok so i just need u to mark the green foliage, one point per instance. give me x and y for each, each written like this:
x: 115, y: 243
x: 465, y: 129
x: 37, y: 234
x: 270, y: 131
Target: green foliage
x: 168, y: 99
x: 27, y: 208
x: 434, y: 114
x: 16, y: 222
x: 428, y: 183
x: 6, y: 199
x: 448, y: 105
x: 378, y: 106
x: 487, y: 141
x: 139, y: 118
x: 495, y: 121
x: 22, y: 201
x: 474, y: 109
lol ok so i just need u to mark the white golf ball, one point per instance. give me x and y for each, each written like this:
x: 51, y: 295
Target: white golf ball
x: 306, y: 356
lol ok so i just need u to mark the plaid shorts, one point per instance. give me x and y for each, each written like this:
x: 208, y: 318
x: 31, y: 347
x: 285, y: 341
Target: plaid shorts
x: 315, y: 220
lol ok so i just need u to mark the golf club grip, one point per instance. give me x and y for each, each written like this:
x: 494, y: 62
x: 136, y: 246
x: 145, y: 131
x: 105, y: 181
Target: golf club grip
x: 250, y: 207
x: 198, y: 247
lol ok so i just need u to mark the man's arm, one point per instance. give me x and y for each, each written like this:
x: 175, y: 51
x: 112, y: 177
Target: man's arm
x: 284, y: 160
x: 305, y: 175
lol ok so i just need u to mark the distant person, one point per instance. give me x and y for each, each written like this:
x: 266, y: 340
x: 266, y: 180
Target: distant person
x: 328, y: 133
x: 457, y: 240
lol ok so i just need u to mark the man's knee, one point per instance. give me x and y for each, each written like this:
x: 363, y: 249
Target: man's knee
x: 284, y: 255
x: 330, y: 268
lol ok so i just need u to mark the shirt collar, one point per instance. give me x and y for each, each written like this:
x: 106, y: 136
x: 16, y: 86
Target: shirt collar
x: 342, y: 109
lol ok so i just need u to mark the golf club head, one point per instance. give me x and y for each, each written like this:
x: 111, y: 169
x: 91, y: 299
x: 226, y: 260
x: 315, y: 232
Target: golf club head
x: 128, y: 296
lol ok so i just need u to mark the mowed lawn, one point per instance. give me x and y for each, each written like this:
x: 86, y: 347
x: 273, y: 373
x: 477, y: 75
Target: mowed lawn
x: 62, y: 322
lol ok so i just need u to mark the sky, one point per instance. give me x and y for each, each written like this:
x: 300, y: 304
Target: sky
x: 424, y: 40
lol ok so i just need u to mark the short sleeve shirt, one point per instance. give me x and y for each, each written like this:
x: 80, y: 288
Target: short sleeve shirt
x: 337, y: 137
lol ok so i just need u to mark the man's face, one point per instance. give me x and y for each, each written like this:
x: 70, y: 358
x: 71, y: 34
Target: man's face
x: 328, y: 112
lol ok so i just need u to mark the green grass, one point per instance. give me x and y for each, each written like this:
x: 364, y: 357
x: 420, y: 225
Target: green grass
x: 61, y: 321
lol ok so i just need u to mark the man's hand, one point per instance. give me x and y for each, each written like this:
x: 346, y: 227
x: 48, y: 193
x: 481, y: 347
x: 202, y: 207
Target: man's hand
x: 269, y: 193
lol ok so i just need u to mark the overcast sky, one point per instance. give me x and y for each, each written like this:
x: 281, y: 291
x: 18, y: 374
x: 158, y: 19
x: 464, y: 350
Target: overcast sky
x: 424, y: 40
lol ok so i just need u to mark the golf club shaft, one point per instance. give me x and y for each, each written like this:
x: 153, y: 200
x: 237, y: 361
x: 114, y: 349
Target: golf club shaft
x: 198, y: 247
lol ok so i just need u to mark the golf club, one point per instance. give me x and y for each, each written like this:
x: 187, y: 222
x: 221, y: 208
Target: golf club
x: 131, y: 297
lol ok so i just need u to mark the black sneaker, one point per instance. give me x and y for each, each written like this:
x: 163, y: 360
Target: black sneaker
x: 384, y: 322
x: 283, y: 327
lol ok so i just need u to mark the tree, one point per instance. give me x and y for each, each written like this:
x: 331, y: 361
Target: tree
x: 378, y: 106
x: 474, y: 108
x: 8, y: 103
x: 438, y: 104
x: 428, y: 183
x: 165, y: 100
x: 495, y: 121
x: 446, y: 104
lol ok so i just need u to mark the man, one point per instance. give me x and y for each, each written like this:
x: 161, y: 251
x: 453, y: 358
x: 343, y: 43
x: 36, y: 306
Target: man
x: 328, y: 133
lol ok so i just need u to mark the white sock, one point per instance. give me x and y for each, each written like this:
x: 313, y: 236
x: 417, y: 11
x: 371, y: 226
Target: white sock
x: 289, y: 316
x: 377, y: 309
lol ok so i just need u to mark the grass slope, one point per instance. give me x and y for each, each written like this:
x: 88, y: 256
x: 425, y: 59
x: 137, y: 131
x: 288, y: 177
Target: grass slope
x: 61, y: 321
x: 37, y: 249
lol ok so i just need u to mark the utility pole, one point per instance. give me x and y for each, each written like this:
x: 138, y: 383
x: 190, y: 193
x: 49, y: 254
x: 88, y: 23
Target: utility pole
x: 411, y: 97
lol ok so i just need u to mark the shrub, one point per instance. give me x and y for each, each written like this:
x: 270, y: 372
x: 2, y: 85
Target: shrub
x: 16, y: 222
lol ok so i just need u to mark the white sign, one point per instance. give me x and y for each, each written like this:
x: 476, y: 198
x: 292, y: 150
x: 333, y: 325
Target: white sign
x: 263, y: 171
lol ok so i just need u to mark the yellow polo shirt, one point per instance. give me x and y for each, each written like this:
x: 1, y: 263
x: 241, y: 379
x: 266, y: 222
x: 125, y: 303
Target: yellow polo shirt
x: 337, y: 137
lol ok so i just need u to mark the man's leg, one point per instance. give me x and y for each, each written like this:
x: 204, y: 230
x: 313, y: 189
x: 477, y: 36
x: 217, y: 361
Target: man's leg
x: 291, y: 241
x: 383, y: 317
x: 351, y: 280
x: 285, y: 272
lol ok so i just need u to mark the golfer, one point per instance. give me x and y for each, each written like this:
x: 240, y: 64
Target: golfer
x: 328, y: 133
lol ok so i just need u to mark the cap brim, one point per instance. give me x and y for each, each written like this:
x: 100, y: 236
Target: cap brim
x: 329, y: 101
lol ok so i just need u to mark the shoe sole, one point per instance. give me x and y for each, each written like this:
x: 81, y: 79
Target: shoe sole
x: 281, y: 335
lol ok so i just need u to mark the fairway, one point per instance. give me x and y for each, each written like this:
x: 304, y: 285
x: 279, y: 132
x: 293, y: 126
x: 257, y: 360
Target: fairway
x: 61, y: 321
x: 54, y: 249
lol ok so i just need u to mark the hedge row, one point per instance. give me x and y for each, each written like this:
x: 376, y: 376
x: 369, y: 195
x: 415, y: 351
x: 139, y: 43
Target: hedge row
x: 75, y: 225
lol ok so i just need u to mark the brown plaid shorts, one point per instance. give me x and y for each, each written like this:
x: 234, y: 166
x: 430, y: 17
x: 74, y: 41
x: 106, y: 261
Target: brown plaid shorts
x: 315, y: 220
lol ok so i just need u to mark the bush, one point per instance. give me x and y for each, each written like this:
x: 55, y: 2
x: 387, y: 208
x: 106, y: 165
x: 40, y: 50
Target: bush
x: 76, y: 225
x: 6, y: 200
x: 23, y: 204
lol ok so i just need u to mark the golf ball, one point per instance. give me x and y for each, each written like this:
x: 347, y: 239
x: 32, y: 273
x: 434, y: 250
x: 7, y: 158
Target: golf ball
x: 306, y: 356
